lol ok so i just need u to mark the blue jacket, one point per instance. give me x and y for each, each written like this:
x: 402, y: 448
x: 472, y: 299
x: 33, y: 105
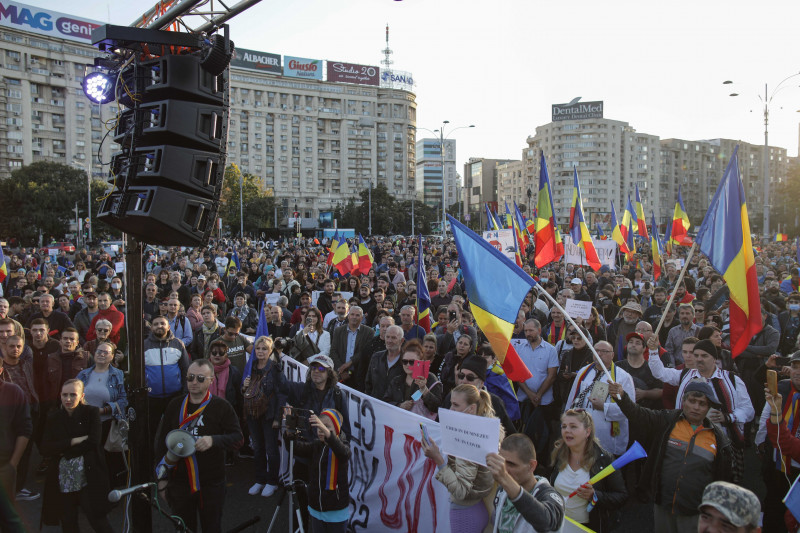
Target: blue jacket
x: 165, y: 365
x: 116, y: 385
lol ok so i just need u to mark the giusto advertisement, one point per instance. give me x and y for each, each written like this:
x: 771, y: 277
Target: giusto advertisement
x: 396, y: 79
x: 253, y: 60
x: 301, y: 67
x: 46, y: 22
x: 352, y: 73
x: 577, y: 111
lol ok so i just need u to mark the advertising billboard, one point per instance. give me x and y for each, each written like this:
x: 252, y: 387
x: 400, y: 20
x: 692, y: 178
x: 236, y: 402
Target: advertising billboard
x: 254, y: 60
x: 577, y: 111
x: 352, y: 73
x: 301, y: 67
x: 396, y: 79
x: 45, y: 22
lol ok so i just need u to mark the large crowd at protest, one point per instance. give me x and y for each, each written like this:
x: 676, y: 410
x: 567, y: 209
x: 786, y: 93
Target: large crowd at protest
x: 220, y: 320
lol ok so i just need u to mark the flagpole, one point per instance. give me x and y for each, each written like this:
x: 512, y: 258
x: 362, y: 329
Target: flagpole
x: 577, y: 329
x: 675, y: 288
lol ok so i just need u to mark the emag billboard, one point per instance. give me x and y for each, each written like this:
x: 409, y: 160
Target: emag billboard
x: 302, y: 67
x: 45, y: 22
x: 253, y: 60
x: 352, y: 73
x: 577, y: 111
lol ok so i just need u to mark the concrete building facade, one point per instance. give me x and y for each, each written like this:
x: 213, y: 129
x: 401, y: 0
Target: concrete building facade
x: 429, y: 172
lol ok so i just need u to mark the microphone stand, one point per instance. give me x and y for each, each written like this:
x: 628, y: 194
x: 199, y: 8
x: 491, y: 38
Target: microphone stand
x: 180, y: 526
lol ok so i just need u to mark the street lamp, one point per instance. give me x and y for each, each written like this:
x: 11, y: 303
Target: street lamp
x: 442, y: 137
x: 766, y: 100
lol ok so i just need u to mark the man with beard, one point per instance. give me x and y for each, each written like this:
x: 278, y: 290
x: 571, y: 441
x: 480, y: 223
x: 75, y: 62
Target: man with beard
x: 676, y: 336
x: 624, y: 324
x: 648, y: 389
x: 653, y: 313
x: 166, y: 362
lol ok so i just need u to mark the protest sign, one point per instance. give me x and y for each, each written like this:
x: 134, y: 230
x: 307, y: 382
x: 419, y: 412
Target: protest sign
x: 392, y: 485
x: 119, y: 266
x: 503, y: 240
x: 606, y: 252
x: 344, y: 294
x: 578, y: 308
x: 272, y: 298
x: 468, y: 436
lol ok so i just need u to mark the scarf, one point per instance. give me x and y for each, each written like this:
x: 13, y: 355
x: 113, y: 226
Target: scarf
x: 725, y: 395
x: 555, y: 333
x: 207, y: 332
x: 332, y: 472
x: 220, y: 382
x: 790, y: 409
x: 240, y: 312
x: 579, y: 402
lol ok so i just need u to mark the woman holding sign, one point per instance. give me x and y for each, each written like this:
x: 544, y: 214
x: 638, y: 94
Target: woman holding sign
x: 576, y: 458
x: 418, y: 390
x: 467, y: 482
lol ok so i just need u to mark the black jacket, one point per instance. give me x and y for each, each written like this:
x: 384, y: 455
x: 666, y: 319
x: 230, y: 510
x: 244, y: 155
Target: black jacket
x: 379, y: 375
x: 610, y: 491
x: 321, y: 498
x: 197, y: 348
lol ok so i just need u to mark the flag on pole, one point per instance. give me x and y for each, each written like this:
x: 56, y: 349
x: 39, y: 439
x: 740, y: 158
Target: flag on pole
x: 640, y: 222
x: 423, y: 296
x: 600, y: 235
x: 494, y: 305
x: 631, y: 238
x: 628, y: 219
x: 781, y: 237
x: 577, y: 226
x: 491, y: 223
x: 522, y: 226
x: 546, y: 236
x: 365, y: 260
x: 507, y: 221
x: 667, y: 240
x: 616, y: 233
x: 498, y: 220
x: 655, y: 247
x: 724, y: 237
x: 342, y: 258
x: 680, y: 223
x: 355, y: 268
x: 3, y: 267
x: 234, y: 262
x: 518, y: 246
x: 334, y: 246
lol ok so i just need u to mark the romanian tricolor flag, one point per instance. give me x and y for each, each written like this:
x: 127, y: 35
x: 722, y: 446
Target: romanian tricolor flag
x: 519, y: 248
x: 617, y: 235
x: 640, y: 222
x: 667, y: 240
x: 577, y: 226
x: 781, y: 237
x: 600, y: 235
x: 234, y: 262
x: 3, y: 267
x: 631, y: 238
x: 365, y: 260
x: 628, y: 216
x: 507, y: 221
x: 496, y: 288
x: 491, y: 223
x: 423, y: 296
x: 680, y: 223
x: 724, y: 237
x: 334, y: 246
x: 355, y: 267
x: 546, y: 236
x: 521, y: 226
x: 655, y: 247
x: 342, y: 258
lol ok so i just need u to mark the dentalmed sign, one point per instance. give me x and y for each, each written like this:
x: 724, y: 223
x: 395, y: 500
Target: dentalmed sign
x: 45, y: 22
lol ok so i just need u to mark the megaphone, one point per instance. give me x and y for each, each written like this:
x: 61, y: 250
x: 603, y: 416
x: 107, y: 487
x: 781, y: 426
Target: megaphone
x: 180, y: 445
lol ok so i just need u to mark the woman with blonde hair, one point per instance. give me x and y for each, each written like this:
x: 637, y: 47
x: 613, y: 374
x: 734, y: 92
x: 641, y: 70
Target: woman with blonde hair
x: 467, y: 482
x: 577, y: 456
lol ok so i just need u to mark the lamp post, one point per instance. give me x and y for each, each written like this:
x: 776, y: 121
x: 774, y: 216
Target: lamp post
x: 766, y: 100
x: 442, y: 137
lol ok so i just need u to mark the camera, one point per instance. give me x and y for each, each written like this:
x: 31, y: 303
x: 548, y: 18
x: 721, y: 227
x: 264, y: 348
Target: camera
x: 296, y: 420
x: 284, y: 344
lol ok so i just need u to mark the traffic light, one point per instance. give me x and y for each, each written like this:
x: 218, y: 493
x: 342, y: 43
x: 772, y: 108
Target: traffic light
x: 168, y: 174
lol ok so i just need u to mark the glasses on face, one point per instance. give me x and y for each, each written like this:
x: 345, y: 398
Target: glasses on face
x: 200, y: 378
x: 102, y: 330
x: 468, y: 377
x: 218, y: 352
x: 317, y: 368
x: 408, y: 362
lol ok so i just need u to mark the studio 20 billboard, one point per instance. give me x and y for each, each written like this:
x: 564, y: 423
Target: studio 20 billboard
x: 45, y: 22
x: 352, y: 73
x: 301, y: 67
x: 253, y: 60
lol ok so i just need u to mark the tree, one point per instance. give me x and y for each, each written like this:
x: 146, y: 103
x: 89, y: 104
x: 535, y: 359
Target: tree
x: 41, y: 197
x: 258, y: 207
x: 786, y: 198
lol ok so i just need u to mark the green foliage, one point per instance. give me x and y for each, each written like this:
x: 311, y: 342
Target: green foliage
x: 786, y: 204
x: 389, y: 216
x: 41, y: 197
x: 258, y: 207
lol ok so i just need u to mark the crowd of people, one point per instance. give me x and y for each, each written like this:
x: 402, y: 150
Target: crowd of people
x: 667, y: 380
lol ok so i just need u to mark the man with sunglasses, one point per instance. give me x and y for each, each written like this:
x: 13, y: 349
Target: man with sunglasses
x: 212, y: 421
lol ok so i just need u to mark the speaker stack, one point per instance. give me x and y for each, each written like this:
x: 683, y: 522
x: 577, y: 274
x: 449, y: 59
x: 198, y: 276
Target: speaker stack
x: 167, y: 176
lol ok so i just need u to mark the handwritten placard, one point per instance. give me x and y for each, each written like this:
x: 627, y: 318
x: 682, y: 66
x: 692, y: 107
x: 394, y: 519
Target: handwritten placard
x: 468, y: 436
x: 578, y: 308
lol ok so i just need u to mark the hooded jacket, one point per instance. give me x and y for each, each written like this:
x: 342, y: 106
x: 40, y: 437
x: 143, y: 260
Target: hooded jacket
x: 165, y: 365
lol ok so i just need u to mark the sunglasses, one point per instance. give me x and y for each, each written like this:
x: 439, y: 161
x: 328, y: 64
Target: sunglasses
x: 468, y: 377
x: 317, y: 368
x: 200, y: 379
x: 102, y: 329
x: 408, y: 362
x: 218, y: 352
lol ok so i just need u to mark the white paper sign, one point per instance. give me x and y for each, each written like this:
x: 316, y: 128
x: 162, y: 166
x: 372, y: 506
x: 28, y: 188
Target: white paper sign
x: 272, y: 298
x: 578, y: 308
x: 344, y: 294
x: 606, y: 252
x: 119, y: 267
x: 468, y: 436
x: 503, y: 240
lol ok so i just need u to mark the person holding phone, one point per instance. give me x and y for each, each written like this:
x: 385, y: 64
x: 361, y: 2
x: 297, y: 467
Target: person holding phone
x: 421, y: 394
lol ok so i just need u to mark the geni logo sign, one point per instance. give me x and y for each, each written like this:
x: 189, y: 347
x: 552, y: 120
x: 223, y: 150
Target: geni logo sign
x: 45, y: 22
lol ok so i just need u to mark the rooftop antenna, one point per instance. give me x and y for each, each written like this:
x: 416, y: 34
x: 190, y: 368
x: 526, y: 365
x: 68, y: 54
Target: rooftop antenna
x: 387, y: 52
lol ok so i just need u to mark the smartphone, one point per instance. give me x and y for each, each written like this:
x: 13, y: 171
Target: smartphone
x: 452, y: 315
x: 425, y: 436
x: 782, y: 361
x: 772, y: 382
x: 625, y: 292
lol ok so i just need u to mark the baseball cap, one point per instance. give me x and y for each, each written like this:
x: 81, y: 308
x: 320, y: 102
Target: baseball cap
x: 703, y: 388
x: 737, y: 504
x: 201, y: 276
x: 321, y: 359
x: 632, y: 335
x: 576, y: 281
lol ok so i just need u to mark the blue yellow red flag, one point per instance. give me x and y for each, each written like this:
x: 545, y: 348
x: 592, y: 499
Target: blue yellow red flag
x: 365, y: 260
x: 781, y: 237
x: 507, y: 221
x: 334, y: 246
x: 423, y: 295
x: 522, y: 226
x: 631, y: 237
x: 616, y: 233
x: 628, y: 216
x: 577, y: 226
x: 342, y: 258
x: 491, y: 223
x: 3, y: 267
x: 546, y: 236
x: 680, y: 223
x: 640, y: 221
x: 600, y: 235
x: 655, y: 247
x: 494, y: 301
x: 519, y: 248
x: 724, y: 237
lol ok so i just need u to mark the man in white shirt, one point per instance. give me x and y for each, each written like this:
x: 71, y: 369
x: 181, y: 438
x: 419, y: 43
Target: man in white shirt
x: 611, y: 426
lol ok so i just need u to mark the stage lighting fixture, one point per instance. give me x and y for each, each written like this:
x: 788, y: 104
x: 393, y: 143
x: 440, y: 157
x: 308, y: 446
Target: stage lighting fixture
x: 98, y: 87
